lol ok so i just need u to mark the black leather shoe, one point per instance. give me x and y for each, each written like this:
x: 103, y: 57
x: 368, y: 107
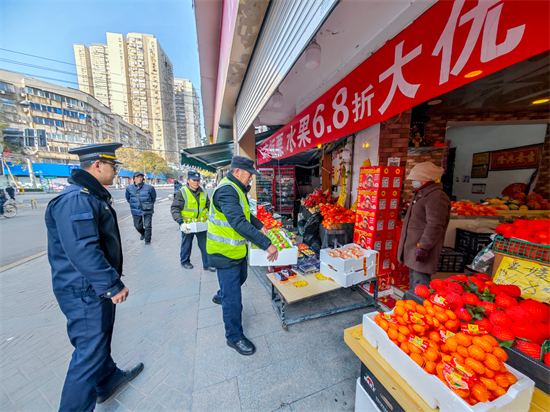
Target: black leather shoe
x: 142, y: 237
x: 187, y: 265
x: 211, y: 269
x: 217, y: 300
x: 244, y: 347
x: 128, y: 375
x: 147, y: 243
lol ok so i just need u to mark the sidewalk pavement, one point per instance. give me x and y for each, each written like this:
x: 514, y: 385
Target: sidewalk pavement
x: 171, y: 325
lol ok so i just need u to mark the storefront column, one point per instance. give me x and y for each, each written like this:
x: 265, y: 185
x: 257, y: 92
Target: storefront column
x: 325, y: 172
x: 543, y: 181
x: 246, y: 147
x: 394, y: 138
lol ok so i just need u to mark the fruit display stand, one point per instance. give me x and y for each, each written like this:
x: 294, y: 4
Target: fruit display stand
x: 400, y: 388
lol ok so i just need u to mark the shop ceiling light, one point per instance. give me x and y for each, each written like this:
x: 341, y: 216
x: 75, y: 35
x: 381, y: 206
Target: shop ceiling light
x: 277, y: 99
x: 319, y: 146
x: 473, y: 74
x: 434, y: 102
x: 540, y: 101
x: 313, y: 55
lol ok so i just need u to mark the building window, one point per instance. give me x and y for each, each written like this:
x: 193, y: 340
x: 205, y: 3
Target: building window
x: 8, y: 102
x: 7, y: 87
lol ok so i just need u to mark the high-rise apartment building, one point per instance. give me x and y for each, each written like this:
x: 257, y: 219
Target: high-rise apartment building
x: 83, y: 68
x: 188, y: 119
x: 135, y: 78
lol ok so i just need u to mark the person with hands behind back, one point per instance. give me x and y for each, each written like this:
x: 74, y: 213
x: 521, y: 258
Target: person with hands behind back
x: 191, y: 202
x: 230, y: 225
x: 85, y: 255
x: 425, y: 224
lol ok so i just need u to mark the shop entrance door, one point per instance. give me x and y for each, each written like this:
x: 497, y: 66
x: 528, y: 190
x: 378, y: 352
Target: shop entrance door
x: 447, y: 178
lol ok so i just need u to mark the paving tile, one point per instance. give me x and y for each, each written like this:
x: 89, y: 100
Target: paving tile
x: 51, y: 388
x: 130, y: 397
x: 148, y: 404
x: 182, y: 381
x: 221, y: 397
x: 210, y: 316
x: 174, y: 400
x: 281, y: 384
x: 155, y: 381
x: 225, y: 363
x: 134, y: 301
x: 261, y: 324
x: 172, y: 293
x: 337, y: 398
x: 211, y: 338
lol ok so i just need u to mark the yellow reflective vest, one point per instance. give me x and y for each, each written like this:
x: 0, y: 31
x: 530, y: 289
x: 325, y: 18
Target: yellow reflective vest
x: 192, y: 208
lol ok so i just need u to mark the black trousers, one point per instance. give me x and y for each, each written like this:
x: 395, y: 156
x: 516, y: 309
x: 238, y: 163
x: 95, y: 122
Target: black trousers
x: 144, y: 225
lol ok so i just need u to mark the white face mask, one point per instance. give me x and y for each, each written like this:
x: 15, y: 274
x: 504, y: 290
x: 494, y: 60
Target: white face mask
x: 416, y: 183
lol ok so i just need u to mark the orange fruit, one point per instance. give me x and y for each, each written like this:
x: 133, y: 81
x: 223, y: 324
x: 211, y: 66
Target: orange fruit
x: 476, y: 352
x: 471, y: 401
x: 450, y: 314
x: 463, y: 339
x: 444, y: 349
x: 480, y: 392
x: 433, y: 345
x: 431, y: 355
x: 439, y: 370
x: 399, y: 311
x: 401, y: 338
x: 395, y: 342
x: 409, y: 306
x: 500, y: 354
x: 430, y: 367
x: 452, y: 344
x: 459, y: 358
x: 377, y: 319
x: 446, y: 358
x: 411, y: 302
x: 421, y: 309
x: 393, y: 325
x: 502, y: 380
x: 461, y: 393
x: 489, y: 373
x: 429, y: 319
x: 413, y: 348
x: 491, y: 340
x: 499, y: 391
x: 492, y: 362
x: 404, y: 330
x: 405, y: 348
x: 462, y: 351
x: 418, y: 359
x: 436, y: 323
x: 489, y: 383
x: 427, y: 303
x: 393, y: 334
x: 452, y: 325
x: 440, y: 316
x: 430, y: 310
x: 438, y: 309
x: 400, y: 303
x: 482, y: 343
x: 511, y: 378
x: 475, y: 365
x: 384, y: 324
x: 434, y: 336
x: 400, y: 320
x: 418, y: 329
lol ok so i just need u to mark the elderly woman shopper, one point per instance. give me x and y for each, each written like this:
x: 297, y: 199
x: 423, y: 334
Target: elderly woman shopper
x: 425, y: 224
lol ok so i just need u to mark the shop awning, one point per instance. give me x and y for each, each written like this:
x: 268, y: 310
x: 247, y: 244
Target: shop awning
x: 210, y: 157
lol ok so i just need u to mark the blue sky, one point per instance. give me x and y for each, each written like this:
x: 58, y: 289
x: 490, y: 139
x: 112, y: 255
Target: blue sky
x: 49, y: 29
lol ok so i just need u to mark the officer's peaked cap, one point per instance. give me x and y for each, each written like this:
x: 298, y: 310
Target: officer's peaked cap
x: 103, y: 151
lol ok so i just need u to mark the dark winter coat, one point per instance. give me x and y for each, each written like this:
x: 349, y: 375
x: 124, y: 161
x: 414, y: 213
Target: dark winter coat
x: 179, y: 203
x: 11, y: 192
x: 177, y: 185
x: 227, y: 201
x: 145, y: 192
x: 425, y: 224
x: 84, y: 247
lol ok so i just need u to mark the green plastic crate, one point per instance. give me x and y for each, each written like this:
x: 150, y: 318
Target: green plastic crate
x: 521, y: 248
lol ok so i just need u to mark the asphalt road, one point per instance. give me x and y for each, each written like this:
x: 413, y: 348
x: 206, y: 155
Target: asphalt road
x: 25, y: 234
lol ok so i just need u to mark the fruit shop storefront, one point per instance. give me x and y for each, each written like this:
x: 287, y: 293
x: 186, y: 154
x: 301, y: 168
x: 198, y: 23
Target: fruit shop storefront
x: 464, y: 86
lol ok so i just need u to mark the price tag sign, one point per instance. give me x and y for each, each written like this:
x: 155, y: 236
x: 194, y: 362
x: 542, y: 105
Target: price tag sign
x: 531, y: 277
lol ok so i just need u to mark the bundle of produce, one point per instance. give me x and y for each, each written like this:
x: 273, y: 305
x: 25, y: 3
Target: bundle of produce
x: 278, y: 239
x: 534, y: 231
x: 470, y: 209
x: 317, y: 198
x: 267, y: 218
x: 202, y: 219
x: 478, y: 305
x: 336, y: 214
x: 515, y: 198
x: 350, y: 252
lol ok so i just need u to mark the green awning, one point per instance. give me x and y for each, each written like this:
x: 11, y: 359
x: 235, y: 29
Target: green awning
x: 210, y: 157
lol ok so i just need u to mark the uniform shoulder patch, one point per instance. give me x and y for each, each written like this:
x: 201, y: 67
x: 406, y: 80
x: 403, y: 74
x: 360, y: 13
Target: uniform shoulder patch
x: 85, y: 190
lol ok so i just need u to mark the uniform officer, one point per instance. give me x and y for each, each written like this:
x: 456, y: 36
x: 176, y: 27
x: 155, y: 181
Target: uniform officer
x: 190, y: 201
x: 85, y: 254
x: 230, y: 225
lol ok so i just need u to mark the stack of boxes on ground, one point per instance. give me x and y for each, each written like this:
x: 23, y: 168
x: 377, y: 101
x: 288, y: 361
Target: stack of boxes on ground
x: 378, y: 221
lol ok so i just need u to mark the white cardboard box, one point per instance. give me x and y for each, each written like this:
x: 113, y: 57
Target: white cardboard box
x: 363, y: 402
x: 434, y: 392
x: 350, y: 265
x: 198, y: 227
x: 287, y: 256
x: 348, y: 279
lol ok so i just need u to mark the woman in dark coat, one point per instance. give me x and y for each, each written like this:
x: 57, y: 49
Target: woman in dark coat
x: 425, y: 224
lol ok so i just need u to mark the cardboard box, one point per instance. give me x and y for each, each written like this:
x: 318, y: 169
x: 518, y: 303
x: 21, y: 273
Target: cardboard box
x: 363, y: 402
x: 370, y: 258
x: 348, y: 279
x: 389, y: 177
x: 197, y: 227
x: 376, y: 200
x: 377, y: 392
x: 365, y: 240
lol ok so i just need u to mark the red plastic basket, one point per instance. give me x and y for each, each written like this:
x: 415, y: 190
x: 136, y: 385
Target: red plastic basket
x: 523, y: 249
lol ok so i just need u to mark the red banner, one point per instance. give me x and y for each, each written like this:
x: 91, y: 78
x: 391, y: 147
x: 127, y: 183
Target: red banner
x: 526, y: 157
x: 451, y: 44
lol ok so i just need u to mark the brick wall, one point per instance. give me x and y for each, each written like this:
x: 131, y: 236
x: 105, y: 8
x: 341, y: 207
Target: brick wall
x: 543, y: 182
x: 394, y: 138
x: 434, y: 156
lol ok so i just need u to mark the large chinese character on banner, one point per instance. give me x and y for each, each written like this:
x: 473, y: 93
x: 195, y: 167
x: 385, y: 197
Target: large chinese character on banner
x: 526, y: 157
x: 451, y: 44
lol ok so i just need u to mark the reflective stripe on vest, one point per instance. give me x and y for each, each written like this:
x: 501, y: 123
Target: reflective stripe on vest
x: 192, y: 208
x: 220, y: 233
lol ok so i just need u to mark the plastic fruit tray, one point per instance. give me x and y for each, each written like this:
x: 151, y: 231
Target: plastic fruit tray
x: 521, y: 248
x: 434, y: 392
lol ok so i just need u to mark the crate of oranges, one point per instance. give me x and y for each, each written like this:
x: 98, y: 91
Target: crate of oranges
x: 450, y: 369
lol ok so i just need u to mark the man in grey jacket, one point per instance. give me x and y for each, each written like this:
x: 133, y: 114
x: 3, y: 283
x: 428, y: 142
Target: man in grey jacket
x: 142, y: 198
x: 425, y: 224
